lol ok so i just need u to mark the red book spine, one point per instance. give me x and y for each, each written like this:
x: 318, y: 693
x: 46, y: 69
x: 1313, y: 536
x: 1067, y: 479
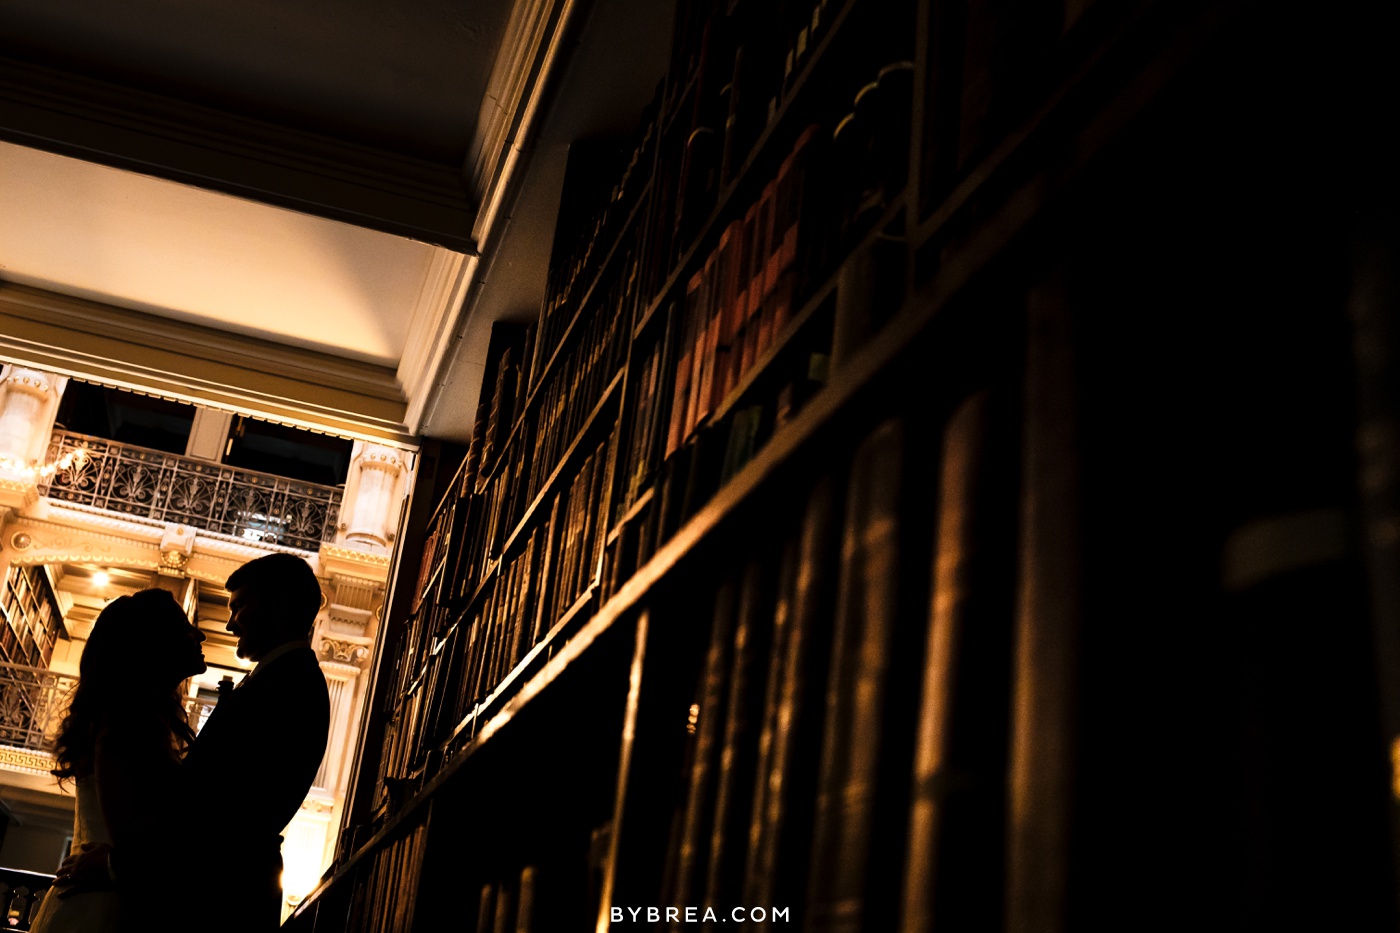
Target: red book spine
x: 743, y: 275
x: 681, y: 392
x: 731, y: 243
x: 696, y: 326
x: 758, y: 256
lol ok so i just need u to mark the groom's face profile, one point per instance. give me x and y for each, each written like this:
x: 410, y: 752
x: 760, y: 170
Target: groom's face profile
x: 251, y: 620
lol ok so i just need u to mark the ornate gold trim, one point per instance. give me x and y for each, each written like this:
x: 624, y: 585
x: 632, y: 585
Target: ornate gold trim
x: 25, y: 760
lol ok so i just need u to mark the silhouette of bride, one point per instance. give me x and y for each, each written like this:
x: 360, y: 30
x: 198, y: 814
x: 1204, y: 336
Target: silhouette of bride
x: 121, y: 741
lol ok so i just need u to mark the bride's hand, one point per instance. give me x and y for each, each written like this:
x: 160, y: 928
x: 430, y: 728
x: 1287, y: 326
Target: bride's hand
x: 86, y: 869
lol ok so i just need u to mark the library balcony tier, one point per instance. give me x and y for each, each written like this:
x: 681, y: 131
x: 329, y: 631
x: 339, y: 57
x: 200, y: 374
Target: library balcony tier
x: 167, y: 487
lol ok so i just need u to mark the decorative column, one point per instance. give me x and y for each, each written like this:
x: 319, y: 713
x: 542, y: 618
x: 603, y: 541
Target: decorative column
x: 28, y: 403
x: 369, y: 510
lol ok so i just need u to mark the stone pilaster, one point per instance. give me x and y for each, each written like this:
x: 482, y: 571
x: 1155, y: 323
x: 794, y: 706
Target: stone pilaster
x: 374, y: 491
x: 28, y: 404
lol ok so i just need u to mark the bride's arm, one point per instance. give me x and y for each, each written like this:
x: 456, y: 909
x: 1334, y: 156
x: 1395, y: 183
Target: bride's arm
x: 136, y: 784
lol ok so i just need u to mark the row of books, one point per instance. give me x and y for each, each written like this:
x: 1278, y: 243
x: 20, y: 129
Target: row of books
x: 825, y: 195
x: 733, y: 66
x: 579, y: 381
x: 385, y: 895
x: 743, y: 295
x: 450, y: 662
x: 576, y: 266
x: 736, y: 305
x: 507, y: 906
x: 534, y: 589
x: 810, y: 775
x: 446, y: 663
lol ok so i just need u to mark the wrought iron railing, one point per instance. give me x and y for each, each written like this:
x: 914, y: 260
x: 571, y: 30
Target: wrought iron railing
x: 170, y: 488
x: 32, y: 701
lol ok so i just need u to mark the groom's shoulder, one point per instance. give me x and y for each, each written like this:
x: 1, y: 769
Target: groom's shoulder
x: 300, y: 667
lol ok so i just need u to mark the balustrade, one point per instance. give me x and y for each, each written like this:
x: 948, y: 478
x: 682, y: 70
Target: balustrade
x: 32, y: 701
x: 183, y: 490
x: 20, y: 895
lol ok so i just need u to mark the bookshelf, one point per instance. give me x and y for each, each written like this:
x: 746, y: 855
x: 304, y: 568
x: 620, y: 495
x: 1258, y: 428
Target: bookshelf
x: 33, y: 621
x: 842, y: 538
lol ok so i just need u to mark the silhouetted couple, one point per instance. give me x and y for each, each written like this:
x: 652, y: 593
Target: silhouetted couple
x: 178, y: 832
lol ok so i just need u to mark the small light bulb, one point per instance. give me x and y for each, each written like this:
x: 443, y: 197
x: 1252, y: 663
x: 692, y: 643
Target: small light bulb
x: 101, y: 579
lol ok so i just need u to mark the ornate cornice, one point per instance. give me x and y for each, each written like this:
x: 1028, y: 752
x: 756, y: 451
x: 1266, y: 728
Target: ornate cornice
x: 57, y: 532
x: 32, y: 541
x: 336, y: 561
x: 346, y: 650
x: 25, y: 760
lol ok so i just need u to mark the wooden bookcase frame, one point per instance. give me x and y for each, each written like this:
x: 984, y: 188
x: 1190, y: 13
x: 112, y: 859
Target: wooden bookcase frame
x: 961, y: 227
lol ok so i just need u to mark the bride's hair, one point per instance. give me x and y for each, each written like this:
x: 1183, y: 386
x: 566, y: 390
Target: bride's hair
x: 125, y: 680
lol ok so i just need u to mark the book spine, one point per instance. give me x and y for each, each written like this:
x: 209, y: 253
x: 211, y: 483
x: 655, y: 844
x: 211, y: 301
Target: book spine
x: 734, y: 786
x: 1041, y: 774
x: 699, y: 803
x: 525, y: 910
x: 780, y: 834
x: 953, y: 869
x: 866, y: 610
x: 1373, y: 305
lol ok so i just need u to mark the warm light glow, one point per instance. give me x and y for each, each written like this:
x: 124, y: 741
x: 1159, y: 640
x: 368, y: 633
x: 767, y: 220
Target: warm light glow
x: 101, y: 579
x: 34, y: 471
x: 300, y: 873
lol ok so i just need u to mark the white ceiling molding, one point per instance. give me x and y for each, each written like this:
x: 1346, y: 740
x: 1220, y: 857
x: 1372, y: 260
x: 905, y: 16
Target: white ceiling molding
x: 204, y: 365
x: 531, y: 38
x: 430, y: 330
x: 515, y: 70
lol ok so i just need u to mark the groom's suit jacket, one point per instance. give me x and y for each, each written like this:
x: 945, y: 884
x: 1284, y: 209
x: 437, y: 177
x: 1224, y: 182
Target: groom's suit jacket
x: 254, y: 761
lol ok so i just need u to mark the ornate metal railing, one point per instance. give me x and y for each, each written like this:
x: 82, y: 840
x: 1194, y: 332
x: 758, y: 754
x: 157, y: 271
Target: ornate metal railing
x: 32, y: 701
x: 170, y: 488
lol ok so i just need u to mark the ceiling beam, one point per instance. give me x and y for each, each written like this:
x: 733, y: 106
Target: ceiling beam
x: 152, y: 134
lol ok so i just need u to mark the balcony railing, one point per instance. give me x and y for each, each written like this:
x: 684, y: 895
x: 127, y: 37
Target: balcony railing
x: 20, y: 894
x: 33, y: 701
x: 182, y: 490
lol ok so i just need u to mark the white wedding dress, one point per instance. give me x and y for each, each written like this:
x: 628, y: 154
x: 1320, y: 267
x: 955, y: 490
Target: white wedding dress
x: 91, y: 911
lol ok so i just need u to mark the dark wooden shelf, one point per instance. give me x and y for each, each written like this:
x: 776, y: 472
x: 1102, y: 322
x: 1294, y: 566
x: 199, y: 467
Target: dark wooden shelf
x: 759, y: 368
x: 744, y: 180
x: 488, y: 578
x: 632, y: 512
x: 824, y: 407
x: 483, y: 588
x: 1007, y: 193
x: 571, y: 454
x: 583, y: 306
x: 537, y: 653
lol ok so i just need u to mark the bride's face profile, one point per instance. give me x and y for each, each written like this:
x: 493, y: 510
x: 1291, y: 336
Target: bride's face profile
x: 181, y: 655
x: 143, y: 639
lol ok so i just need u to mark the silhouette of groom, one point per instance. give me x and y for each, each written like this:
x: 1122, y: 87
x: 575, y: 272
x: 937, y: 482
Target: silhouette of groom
x: 259, y: 751
x: 253, y: 761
